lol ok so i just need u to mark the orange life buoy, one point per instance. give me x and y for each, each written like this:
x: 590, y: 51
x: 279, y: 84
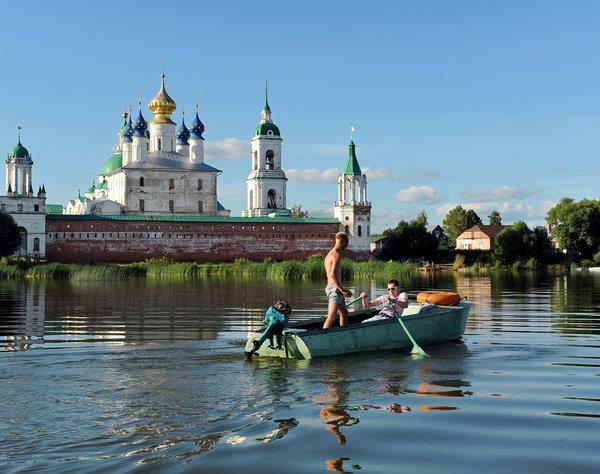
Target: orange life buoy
x: 442, y: 298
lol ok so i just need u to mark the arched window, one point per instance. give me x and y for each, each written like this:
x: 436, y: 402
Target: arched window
x: 36, y: 244
x: 199, y: 184
x: 141, y: 204
x: 272, y: 203
x: 171, y: 183
x: 199, y: 206
x: 22, y: 250
x: 347, y: 230
x: 270, y: 155
x: 159, y: 146
x: 141, y: 181
x: 171, y: 206
x: 359, y: 231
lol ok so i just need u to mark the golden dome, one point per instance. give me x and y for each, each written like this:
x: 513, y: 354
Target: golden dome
x: 162, y: 106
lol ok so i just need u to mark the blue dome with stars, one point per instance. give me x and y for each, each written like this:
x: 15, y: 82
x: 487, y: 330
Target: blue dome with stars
x: 140, y: 126
x: 197, y: 128
x: 128, y: 131
x: 183, y: 134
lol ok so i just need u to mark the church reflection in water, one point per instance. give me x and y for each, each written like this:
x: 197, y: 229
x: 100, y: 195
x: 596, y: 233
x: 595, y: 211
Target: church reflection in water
x: 22, y: 316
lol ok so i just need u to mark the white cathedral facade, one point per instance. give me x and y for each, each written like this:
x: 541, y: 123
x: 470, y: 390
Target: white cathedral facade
x: 155, y: 169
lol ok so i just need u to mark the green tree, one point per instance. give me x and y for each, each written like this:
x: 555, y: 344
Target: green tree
x: 457, y: 221
x: 421, y: 219
x: 298, y: 212
x: 9, y: 235
x: 576, y: 225
x: 518, y: 242
x: 472, y: 218
x: 495, y: 218
x: 409, y: 240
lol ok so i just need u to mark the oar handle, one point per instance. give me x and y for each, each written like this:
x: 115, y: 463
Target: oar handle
x: 353, y: 301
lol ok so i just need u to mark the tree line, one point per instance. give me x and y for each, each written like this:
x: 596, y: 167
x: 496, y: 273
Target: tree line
x: 575, y: 225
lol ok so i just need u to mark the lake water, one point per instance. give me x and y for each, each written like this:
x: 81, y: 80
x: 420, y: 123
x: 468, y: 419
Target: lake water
x: 149, y: 376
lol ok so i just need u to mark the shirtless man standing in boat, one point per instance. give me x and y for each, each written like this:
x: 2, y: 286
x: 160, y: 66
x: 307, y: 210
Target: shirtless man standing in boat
x: 334, y: 289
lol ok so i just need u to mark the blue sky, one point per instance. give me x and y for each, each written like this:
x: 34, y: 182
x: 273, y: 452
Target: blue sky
x: 484, y: 104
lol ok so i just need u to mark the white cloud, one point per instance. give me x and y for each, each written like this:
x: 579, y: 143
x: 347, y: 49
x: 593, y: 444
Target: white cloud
x: 320, y: 212
x: 421, y: 194
x: 312, y: 175
x: 386, y: 218
x: 510, y: 211
x: 376, y: 173
x: 227, y: 149
x: 497, y: 193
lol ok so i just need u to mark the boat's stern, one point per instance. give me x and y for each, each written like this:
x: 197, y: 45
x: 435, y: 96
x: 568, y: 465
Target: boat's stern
x: 292, y: 346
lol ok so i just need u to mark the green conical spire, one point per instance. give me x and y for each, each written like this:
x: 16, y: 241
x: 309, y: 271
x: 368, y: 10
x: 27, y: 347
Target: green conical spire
x: 266, y: 107
x: 352, y: 166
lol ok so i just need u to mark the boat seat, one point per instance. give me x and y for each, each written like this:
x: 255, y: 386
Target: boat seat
x: 293, y: 330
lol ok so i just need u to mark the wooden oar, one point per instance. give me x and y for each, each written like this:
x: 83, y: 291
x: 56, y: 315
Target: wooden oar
x: 416, y: 350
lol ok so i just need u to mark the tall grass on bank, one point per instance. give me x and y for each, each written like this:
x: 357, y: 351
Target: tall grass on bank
x: 309, y: 269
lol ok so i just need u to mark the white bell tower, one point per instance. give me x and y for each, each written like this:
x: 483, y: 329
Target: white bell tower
x: 352, y: 208
x: 266, y: 183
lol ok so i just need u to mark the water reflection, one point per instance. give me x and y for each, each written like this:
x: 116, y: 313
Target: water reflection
x: 22, y: 316
x: 335, y: 402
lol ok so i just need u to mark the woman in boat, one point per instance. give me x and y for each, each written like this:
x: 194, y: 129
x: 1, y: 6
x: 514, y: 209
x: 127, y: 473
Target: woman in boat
x: 394, y: 300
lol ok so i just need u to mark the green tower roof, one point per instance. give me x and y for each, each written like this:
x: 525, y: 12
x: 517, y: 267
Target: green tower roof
x: 115, y: 162
x: 264, y: 128
x: 19, y: 151
x: 352, y: 167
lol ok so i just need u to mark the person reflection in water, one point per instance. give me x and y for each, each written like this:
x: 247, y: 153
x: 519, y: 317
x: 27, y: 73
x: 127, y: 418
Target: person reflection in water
x: 334, y: 413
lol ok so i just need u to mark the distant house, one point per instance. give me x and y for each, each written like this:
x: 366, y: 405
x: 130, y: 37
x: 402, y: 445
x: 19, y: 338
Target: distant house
x: 437, y: 231
x: 377, y: 243
x: 479, y: 237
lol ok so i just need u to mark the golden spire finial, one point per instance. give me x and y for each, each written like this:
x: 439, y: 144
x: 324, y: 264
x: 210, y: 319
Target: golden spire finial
x: 162, y: 106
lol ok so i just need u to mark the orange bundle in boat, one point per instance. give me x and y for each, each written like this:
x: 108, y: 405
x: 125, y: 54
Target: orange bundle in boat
x: 441, y: 298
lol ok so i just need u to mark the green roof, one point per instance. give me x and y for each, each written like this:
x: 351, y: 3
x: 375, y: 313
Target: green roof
x: 54, y: 208
x: 104, y: 185
x: 175, y: 218
x: 115, y: 162
x: 352, y: 167
x: 263, y: 129
x: 91, y: 189
x: 19, y: 151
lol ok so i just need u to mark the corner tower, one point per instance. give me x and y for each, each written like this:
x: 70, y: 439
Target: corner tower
x: 266, y: 183
x: 352, y: 208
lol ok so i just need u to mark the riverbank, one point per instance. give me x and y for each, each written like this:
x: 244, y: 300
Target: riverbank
x: 309, y: 269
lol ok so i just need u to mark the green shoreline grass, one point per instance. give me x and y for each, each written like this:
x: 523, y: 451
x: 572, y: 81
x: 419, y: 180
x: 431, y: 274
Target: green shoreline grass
x: 309, y: 269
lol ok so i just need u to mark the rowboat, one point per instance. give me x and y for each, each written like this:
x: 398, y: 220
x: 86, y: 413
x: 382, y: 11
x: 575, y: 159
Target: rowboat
x: 429, y: 325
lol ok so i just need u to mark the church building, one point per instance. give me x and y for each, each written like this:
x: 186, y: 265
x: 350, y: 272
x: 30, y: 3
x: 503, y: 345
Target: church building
x: 155, y: 169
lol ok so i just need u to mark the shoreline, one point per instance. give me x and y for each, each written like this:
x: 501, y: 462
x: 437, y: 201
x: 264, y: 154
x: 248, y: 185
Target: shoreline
x: 309, y: 269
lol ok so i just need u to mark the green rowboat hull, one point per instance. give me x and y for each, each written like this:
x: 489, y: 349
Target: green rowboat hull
x: 307, y: 340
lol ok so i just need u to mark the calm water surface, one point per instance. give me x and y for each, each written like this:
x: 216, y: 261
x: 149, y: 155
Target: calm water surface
x: 149, y: 376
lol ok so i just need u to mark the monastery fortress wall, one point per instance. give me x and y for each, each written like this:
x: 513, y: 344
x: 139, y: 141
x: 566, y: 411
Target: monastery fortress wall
x: 130, y: 239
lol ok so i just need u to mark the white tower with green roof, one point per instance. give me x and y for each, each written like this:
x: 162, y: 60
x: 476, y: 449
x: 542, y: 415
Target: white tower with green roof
x: 352, y: 208
x: 26, y: 207
x: 266, y: 183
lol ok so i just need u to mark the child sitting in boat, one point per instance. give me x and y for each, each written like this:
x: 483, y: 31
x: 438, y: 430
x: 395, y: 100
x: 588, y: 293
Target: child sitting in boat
x: 276, y: 319
x: 394, y: 300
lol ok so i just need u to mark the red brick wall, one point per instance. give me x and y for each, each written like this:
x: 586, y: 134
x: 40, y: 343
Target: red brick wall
x: 131, y: 241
